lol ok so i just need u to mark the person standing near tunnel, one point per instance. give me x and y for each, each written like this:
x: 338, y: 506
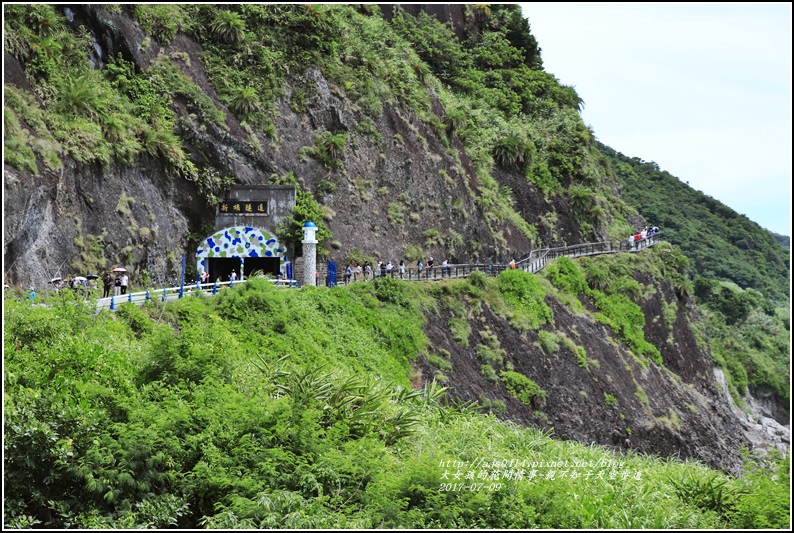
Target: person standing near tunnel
x: 107, y: 283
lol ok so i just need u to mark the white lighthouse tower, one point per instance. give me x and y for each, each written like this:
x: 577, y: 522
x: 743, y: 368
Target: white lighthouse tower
x: 309, y: 253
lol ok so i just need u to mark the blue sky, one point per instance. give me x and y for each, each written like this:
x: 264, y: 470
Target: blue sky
x: 704, y: 90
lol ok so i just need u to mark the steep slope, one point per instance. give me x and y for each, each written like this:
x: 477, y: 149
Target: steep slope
x: 412, y: 139
x: 593, y: 382
x: 117, y: 155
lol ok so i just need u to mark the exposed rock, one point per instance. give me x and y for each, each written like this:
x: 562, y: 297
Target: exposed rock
x: 678, y: 409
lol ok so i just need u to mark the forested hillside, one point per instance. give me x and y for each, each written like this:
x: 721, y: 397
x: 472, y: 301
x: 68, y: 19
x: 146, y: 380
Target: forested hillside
x: 741, y: 273
x: 720, y: 243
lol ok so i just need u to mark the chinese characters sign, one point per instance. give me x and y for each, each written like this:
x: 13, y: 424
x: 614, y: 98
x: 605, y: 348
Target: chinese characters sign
x: 243, y: 208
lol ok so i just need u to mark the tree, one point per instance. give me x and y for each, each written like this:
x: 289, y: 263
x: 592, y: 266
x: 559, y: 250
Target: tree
x: 307, y: 209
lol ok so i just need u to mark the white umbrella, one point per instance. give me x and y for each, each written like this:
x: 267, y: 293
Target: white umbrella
x: 119, y: 269
x: 79, y: 278
x: 53, y: 280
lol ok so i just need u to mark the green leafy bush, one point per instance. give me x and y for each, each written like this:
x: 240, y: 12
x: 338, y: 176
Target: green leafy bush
x: 549, y: 342
x: 524, y: 389
x: 627, y: 320
x: 228, y: 26
x: 565, y: 275
x: 524, y: 292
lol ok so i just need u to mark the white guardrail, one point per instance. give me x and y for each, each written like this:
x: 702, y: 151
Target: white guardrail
x: 175, y: 293
x: 534, y: 262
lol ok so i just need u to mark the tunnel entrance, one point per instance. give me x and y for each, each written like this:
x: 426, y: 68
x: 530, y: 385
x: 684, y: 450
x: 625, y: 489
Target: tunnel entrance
x: 268, y: 265
x: 221, y: 267
x: 245, y: 250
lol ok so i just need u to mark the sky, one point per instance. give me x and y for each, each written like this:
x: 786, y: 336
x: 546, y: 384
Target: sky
x: 701, y: 89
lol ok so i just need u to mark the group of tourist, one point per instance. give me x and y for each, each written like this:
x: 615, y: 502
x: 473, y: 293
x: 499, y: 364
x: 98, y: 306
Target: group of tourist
x: 385, y: 268
x: 204, y: 277
x: 118, y: 284
x: 634, y: 240
x: 73, y: 282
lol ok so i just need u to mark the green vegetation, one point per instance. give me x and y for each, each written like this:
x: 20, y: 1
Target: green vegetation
x: 523, y: 291
x: 263, y: 407
x: 307, y: 209
x: 750, y: 338
x: 615, y: 306
x: 524, y: 389
x: 720, y: 243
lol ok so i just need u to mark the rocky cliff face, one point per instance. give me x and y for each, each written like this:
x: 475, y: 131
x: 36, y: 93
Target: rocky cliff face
x: 399, y: 185
x: 680, y: 408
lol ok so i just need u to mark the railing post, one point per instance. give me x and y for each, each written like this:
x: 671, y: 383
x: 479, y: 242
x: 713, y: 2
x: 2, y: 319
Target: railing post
x: 198, y: 288
x: 130, y: 297
x: 164, y: 294
x: 147, y: 295
x: 215, y: 288
x: 112, y: 303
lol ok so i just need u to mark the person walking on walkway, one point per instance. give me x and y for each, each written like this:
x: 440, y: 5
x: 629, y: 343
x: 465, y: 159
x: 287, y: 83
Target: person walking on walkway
x: 125, y: 280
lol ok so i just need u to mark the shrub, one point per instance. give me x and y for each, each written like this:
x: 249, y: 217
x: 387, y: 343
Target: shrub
x: 245, y: 101
x: 581, y: 199
x: 549, y: 342
x: 461, y: 330
x: 523, y: 388
x: 489, y: 374
x: 491, y: 355
x: 329, y: 148
x: 565, y: 275
x: 414, y: 253
x: 513, y: 150
x: 523, y: 291
x: 392, y: 290
x: 762, y: 494
x: 478, y: 279
x: 228, y: 27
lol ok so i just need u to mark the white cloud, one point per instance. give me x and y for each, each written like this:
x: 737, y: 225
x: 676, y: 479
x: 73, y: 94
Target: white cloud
x: 704, y: 90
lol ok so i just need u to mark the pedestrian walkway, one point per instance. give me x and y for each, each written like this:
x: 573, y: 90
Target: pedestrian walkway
x: 534, y: 262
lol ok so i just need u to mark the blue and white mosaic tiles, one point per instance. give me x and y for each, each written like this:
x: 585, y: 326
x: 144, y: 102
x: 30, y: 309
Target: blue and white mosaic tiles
x: 240, y: 241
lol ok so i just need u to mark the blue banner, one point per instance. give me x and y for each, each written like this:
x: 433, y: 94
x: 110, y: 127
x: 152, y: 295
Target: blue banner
x: 331, y: 281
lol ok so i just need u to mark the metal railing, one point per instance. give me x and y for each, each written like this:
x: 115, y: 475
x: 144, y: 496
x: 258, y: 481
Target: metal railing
x: 175, y: 293
x: 534, y: 262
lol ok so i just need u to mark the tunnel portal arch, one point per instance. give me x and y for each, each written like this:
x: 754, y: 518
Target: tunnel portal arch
x: 244, y: 249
